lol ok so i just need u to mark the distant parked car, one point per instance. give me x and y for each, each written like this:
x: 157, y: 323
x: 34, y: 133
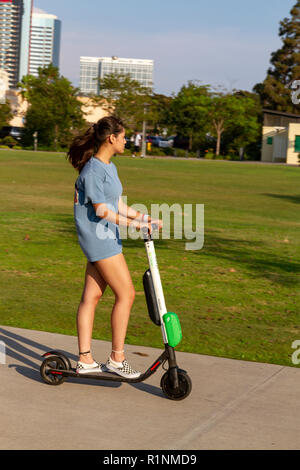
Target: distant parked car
x: 171, y: 140
x: 181, y: 142
x: 164, y: 143
x: 155, y: 139
x: 15, y: 132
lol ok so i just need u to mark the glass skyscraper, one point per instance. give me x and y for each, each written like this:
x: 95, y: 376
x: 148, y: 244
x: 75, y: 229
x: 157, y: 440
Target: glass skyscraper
x: 94, y: 68
x: 25, y: 38
x: 45, y: 41
x: 15, y: 20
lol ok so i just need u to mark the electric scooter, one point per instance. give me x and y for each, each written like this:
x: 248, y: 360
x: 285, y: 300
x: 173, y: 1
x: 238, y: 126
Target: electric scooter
x: 175, y: 383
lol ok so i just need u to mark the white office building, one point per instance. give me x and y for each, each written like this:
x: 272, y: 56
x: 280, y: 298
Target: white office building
x: 94, y: 68
x: 45, y: 41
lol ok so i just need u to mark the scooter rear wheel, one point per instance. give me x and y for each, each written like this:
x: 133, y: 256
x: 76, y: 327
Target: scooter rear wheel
x: 53, y: 378
x: 184, y: 386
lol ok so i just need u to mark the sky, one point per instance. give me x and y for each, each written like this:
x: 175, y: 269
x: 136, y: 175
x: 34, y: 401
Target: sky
x: 224, y: 43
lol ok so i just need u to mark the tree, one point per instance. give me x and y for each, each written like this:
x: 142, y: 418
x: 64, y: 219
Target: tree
x: 189, y: 110
x: 54, y: 109
x: 124, y: 97
x: 275, y: 91
x: 158, y: 115
x: 236, y: 113
x: 247, y: 136
x: 5, y: 114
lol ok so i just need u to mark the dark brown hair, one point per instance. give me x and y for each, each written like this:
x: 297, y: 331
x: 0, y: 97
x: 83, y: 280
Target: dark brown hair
x: 85, y: 146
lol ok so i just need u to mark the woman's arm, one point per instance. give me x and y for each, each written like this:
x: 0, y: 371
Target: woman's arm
x: 131, y: 213
x: 119, y: 219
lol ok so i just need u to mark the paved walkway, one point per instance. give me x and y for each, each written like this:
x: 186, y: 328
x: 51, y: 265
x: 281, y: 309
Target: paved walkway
x: 233, y: 404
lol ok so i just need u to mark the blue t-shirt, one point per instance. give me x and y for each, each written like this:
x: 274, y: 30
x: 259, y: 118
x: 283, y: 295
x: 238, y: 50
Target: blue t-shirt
x: 97, y: 183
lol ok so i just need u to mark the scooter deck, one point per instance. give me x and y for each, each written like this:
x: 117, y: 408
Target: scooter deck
x: 110, y: 376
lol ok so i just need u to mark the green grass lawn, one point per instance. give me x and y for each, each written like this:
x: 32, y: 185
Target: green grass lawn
x: 237, y: 297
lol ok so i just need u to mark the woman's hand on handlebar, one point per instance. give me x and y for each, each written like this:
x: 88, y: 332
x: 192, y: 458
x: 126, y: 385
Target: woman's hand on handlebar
x: 158, y: 223
x: 153, y: 225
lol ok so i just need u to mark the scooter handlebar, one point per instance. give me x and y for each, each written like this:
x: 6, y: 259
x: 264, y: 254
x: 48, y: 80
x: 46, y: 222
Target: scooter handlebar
x: 146, y: 231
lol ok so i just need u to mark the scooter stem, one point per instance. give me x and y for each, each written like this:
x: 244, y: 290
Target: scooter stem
x: 159, y: 294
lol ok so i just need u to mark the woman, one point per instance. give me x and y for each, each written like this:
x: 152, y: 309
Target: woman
x: 98, y: 211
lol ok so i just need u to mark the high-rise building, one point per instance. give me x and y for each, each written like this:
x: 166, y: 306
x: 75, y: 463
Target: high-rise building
x: 44, y: 42
x: 25, y: 38
x: 15, y: 20
x: 94, y: 68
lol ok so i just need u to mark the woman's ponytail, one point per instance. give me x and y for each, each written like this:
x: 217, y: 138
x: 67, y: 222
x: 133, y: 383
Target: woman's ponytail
x: 85, y: 146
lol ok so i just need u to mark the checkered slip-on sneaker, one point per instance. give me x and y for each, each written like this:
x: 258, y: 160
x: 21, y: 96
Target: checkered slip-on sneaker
x: 82, y: 368
x: 122, y: 368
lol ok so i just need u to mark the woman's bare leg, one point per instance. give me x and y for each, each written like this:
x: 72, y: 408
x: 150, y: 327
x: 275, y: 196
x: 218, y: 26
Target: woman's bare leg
x: 116, y: 274
x: 94, y: 288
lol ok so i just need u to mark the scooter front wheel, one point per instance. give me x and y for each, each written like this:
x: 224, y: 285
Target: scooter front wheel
x: 184, y: 386
x: 55, y: 377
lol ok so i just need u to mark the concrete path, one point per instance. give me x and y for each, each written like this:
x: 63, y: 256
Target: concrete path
x: 233, y: 404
